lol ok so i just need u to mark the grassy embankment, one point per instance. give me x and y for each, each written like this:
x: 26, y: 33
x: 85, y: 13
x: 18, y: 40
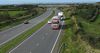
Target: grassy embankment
x: 75, y: 43
x: 68, y: 45
x: 14, y: 42
x: 71, y: 43
x: 92, y: 35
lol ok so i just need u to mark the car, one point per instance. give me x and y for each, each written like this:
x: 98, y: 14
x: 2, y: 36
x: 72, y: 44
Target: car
x: 26, y: 22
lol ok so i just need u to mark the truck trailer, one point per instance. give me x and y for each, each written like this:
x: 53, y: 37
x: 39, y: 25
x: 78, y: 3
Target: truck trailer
x: 55, y: 23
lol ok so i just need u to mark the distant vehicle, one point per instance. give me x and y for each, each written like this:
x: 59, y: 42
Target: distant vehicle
x: 60, y: 15
x: 55, y: 23
x: 26, y: 22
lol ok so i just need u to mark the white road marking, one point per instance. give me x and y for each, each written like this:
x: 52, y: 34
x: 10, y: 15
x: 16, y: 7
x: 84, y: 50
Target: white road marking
x: 27, y: 38
x: 30, y: 52
x: 43, y: 38
x: 37, y: 44
x: 46, y: 33
x: 57, y: 39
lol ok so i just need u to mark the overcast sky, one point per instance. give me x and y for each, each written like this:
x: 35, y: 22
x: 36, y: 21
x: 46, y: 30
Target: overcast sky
x: 45, y: 1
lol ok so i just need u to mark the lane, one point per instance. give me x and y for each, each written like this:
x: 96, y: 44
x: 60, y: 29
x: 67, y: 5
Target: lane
x: 43, y: 40
x: 15, y: 31
x: 40, y: 42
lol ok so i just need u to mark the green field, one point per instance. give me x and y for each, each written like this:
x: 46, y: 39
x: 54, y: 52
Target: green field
x: 97, y: 22
x: 14, y: 13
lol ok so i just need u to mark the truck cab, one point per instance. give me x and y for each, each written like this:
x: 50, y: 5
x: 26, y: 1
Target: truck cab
x: 60, y: 15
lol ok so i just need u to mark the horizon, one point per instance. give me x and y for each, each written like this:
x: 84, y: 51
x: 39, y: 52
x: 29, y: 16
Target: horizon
x: 18, y: 2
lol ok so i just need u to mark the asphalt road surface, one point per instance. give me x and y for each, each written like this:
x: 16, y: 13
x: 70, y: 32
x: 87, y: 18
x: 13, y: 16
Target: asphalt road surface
x: 40, y: 42
x: 11, y: 33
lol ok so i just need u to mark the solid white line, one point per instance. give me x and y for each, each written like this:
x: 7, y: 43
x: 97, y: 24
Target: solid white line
x: 56, y: 39
x: 30, y: 52
x: 37, y: 44
x: 28, y: 38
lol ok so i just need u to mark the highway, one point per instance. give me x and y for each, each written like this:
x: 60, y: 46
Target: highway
x: 41, y: 41
x: 11, y: 33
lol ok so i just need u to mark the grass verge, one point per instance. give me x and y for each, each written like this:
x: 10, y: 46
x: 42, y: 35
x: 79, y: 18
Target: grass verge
x: 14, y: 42
x: 69, y: 43
x: 73, y: 43
x: 66, y: 41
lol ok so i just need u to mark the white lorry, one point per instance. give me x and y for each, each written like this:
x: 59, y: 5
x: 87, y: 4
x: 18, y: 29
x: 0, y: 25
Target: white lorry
x: 60, y: 15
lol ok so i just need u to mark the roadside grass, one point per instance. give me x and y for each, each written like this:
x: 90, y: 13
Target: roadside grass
x: 17, y: 40
x: 69, y: 42
x: 66, y: 40
x: 90, y: 40
x: 97, y: 22
x: 92, y: 34
x: 73, y: 43
x: 69, y: 46
x: 92, y: 27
